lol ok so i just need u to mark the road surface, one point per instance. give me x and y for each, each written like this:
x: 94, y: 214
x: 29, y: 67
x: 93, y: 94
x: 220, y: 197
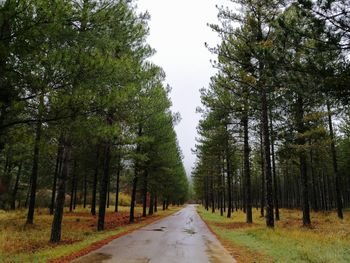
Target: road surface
x: 180, y: 238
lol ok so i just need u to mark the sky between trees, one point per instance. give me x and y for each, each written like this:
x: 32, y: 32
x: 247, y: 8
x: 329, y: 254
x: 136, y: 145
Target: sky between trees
x: 184, y: 57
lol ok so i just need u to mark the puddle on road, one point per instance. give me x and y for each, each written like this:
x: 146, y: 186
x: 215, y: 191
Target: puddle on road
x: 94, y: 258
x: 190, y: 231
x: 154, y: 229
x: 158, y: 229
x: 190, y: 221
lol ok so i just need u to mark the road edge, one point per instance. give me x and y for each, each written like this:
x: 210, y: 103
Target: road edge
x: 98, y: 244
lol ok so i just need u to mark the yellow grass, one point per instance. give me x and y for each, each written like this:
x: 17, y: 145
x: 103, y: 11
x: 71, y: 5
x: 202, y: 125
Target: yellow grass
x: 29, y: 243
x: 327, y: 240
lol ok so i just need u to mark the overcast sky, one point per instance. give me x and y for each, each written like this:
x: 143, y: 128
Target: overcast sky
x: 178, y: 30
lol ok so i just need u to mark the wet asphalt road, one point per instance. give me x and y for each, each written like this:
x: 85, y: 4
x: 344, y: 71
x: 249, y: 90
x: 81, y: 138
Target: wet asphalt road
x: 180, y: 238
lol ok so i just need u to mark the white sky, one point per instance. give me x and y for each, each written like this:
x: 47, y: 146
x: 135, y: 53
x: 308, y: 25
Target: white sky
x: 178, y: 30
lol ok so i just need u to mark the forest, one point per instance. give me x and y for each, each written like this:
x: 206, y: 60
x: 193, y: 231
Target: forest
x: 275, y: 121
x: 84, y: 114
x: 91, y: 161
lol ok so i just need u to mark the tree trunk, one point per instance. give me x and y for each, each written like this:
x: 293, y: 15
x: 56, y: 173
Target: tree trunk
x: 275, y: 184
x: 267, y: 159
x: 335, y: 165
x: 246, y: 150
x: 85, y: 188
x: 15, y: 188
x: 212, y: 194
x: 73, y: 186
x: 206, y: 192
x: 262, y: 192
x: 133, y: 199
x: 314, y: 187
x: 75, y: 189
x: 34, y: 175
x: 94, y: 185
x: 117, y: 185
x: 144, y: 194
x: 61, y: 191
x: 229, y: 179
x: 135, y: 179
x: 150, y: 210
x: 302, y: 160
x: 108, y: 192
x: 104, y: 188
x: 55, y: 176
x: 155, y: 203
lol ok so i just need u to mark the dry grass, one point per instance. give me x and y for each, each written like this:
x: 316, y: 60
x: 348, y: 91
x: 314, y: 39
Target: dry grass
x: 29, y: 243
x: 327, y: 240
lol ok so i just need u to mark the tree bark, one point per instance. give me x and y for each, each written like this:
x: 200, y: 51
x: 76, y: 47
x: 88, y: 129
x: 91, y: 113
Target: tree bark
x: 104, y: 188
x: 117, y: 185
x: 34, y: 175
x: 262, y: 190
x: 246, y: 152
x: 15, y: 188
x: 61, y: 191
x: 133, y: 199
x: 73, y: 187
x: 144, y: 193
x: 275, y: 184
x: 212, y: 194
x: 267, y: 159
x: 155, y: 202
x: 55, y: 176
x: 85, y: 188
x: 150, y: 210
x: 302, y: 160
x: 135, y: 179
x: 335, y: 165
x: 314, y: 187
x: 228, y: 172
x: 94, y: 185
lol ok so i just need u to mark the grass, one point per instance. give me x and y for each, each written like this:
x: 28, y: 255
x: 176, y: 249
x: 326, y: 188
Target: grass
x: 23, y: 243
x: 327, y: 240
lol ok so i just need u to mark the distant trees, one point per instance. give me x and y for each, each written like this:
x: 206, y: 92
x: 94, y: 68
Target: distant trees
x: 281, y: 72
x: 80, y: 107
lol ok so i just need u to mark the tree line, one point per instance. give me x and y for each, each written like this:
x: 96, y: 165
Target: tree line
x: 83, y: 112
x: 275, y: 118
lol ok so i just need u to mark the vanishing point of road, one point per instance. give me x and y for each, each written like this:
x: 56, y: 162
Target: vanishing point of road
x: 180, y: 238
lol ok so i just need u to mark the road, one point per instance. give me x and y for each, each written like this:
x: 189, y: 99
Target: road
x: 180, y: 238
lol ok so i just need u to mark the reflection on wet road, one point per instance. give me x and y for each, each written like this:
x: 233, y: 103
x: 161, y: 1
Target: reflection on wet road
x: 180, y: 238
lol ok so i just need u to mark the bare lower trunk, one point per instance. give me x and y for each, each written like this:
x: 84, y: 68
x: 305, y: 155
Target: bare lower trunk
x: 275, y: 184
x: 144, y: 194
x: 133, y: 199
x: 104, y: 189
x: 248, y: 194
x: 94, y: 185
x: 262, y: 191
x: 267, y: 160
x: 150, y: 210
x: 73, y: 187
x: 302, y: 160
x: 338, y: 193
x: 117, y: 185
x: 34, y: 175
x: 229, y: 178
x: 61, y: 191
x: 155, y: 203
x: 55, y: 176
x: 15, y: 188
